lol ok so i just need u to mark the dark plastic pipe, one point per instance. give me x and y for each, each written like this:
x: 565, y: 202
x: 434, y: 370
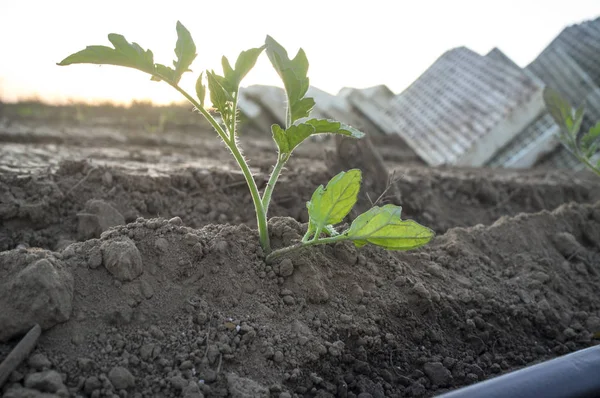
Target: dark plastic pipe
x: 576, y: 375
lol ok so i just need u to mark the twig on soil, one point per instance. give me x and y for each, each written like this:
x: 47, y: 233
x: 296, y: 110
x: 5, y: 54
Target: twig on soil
x: 220, y: 363
x: 391, y: 181
x: 89, y: 173
x: 19, y: 353
x: 506, y: 200
x: 207, y: 339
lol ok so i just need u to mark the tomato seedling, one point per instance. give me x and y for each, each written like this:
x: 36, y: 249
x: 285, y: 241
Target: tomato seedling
x: 583, y: 146
x: 381, y: 226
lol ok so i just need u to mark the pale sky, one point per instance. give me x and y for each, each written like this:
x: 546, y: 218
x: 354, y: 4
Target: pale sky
x: 348, y: 43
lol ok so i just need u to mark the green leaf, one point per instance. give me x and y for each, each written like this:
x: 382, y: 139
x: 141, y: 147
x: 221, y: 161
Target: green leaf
x: 229, y: 77
x: 326, y: 126
x: 218, y: 95
x: 331, y: 204
x: 200, y: 90
x: 288, y: 140
x: 575, y: 123
x: 591, y: 135
x: 163, y: 72
x: 245, y: 62
x: 382, y: 226
x: 560, y: 110
x: 185, y: 49
x: 126, y: 54
x: 293, y: 73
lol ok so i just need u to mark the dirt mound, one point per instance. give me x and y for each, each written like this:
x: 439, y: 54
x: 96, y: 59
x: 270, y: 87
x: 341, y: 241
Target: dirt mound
x: 161, y: 309
x: 51, y: 209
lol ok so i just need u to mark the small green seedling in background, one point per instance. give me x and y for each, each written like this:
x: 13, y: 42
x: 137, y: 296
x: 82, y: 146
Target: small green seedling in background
x: 582, y: 146
x: 381, y: 226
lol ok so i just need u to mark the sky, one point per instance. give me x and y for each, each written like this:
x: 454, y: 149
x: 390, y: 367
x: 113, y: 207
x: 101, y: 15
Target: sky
x: 348, y: 43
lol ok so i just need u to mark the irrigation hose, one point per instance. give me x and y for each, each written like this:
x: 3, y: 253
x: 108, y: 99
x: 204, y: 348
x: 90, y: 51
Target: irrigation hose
x: 575, y: 375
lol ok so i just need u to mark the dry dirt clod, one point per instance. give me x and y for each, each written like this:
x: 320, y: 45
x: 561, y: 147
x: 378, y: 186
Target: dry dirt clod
x: 35, y: 288
x: 97, y: 217
x: 122, y: 259
x: 47, y: 381
x: 121, y: 378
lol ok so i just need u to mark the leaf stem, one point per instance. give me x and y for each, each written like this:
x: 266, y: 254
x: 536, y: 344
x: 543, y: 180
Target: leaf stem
x: 286, y: 250
x: 203, y: 111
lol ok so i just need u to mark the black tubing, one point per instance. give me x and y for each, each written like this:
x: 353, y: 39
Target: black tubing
x: 576, y: 375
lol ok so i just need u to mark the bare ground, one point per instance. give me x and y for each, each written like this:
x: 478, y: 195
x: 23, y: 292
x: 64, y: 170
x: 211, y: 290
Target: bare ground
x: 156, y: 286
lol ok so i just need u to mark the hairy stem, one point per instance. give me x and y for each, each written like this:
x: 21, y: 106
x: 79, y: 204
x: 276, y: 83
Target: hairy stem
x: 203, y: 111
x: 266, y: 199
x: 286, y: 250
x: 261, y: 216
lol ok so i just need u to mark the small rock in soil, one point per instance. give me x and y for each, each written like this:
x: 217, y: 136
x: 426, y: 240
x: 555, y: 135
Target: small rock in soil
x: 121, y: 378
x: 35, y: 288
x: 97, y: 217
x: 39, y: 361
x: 122, y: 259
x: 47, y: 381
x: 437, y: 373
x: 286, y: 268
x: 240, y: 387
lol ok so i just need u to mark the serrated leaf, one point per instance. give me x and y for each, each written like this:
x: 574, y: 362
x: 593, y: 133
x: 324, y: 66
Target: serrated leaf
x: 293, y: 73
x: 591, y: 135
x: 163, y: 72
x: 200, y: 90
x: 185, y: 50
x: 218, y: 95
x: 383, y: 226
x: 560, y: 110
x: 244, y: 63
x: 288, y: 140
x: 326, y: 126
x: 229, y: 76
x: 576, y: 121
x: 130, y: 55
x: 329, y: 205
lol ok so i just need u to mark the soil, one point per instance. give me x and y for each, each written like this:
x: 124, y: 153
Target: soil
x: 137, y: 255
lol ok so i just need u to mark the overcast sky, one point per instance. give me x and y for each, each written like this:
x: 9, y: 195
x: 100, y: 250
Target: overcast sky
x: 348, y: 43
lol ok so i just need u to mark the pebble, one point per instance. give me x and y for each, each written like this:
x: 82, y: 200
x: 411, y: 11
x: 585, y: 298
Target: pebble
x: 278, y: 357
x: 286, y: 268
x: 178, y: 382
x: 91, y: 384
x: 176, y: 221
x: 437, y: 373
x: 289, y: 300
x: 39, y: 361
x: 47, y: 381
x: 121, y: 378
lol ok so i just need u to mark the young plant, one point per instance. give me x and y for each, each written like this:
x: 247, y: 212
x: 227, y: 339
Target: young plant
x: 381, y: 226
x: 582, y: 145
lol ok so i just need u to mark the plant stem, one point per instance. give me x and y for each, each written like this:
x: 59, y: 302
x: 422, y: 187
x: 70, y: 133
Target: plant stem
x: 261, y: 216
x: 280, y: 252
x: 203, y: 111
x: 234, y: 119
x: 266, y: 199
